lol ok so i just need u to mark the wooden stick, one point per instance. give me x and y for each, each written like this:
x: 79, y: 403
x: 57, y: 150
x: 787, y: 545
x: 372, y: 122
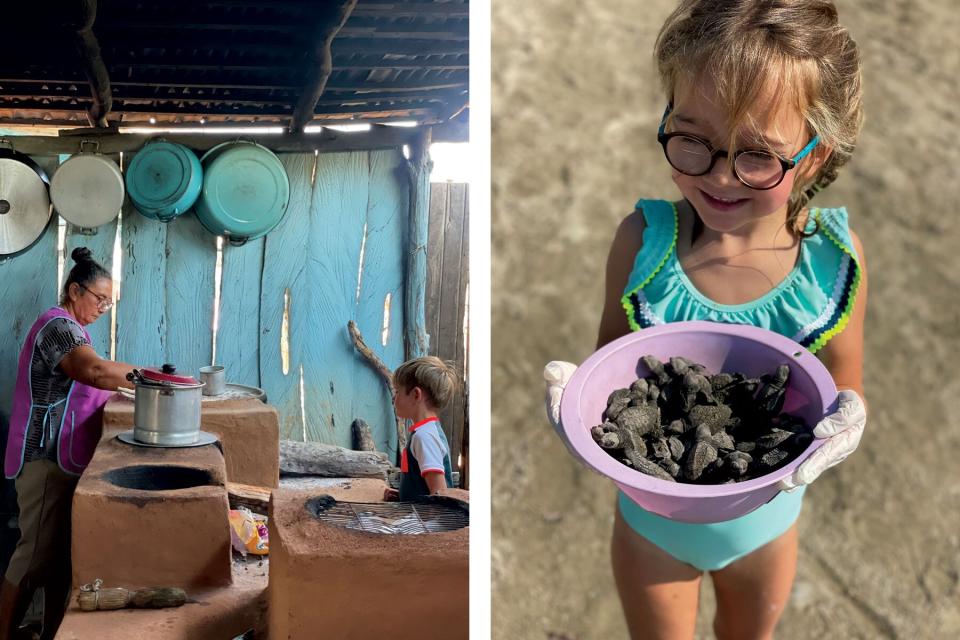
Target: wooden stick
x: 362, y: 436
x: 93, y: 66
x: 384, y: 372
x: 321, y: 61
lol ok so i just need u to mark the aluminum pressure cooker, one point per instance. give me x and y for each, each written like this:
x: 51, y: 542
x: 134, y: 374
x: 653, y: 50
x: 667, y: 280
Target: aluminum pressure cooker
x: 166, y: 410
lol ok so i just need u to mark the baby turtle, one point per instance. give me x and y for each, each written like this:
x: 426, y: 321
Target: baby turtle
x: 657, y: 369
x: 641, y: 420
x: 738, y: 462
x: 774, y: 438
x: 771, y: 396
x: 652, y: 469
x: 639, y: 387
x: 676, y: 448
x: 702, y: 454
x: 671, y: 467
x: 773, y: 457
x: 617, y: 402
x: 660, y: 449
x: 714, y: 416
x: 676, y: 427
x: 681, y: 423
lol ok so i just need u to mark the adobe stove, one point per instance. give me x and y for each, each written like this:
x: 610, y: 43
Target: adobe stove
x: 337, y: 557
x: 146, y: 515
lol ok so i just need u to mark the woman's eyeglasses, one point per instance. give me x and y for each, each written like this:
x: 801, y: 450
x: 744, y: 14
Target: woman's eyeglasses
x: 755, y: 168
x: 103, y: 303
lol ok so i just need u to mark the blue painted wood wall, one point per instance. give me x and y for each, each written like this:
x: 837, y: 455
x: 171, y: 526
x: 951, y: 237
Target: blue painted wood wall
x: 342, y: 205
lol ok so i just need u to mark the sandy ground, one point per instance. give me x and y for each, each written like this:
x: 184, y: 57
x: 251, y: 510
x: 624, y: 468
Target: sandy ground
x: 575, y: 106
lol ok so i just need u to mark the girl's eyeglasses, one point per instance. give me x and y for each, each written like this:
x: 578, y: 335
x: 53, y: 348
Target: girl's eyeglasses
x: 755, y: 168
x: 104, y: 303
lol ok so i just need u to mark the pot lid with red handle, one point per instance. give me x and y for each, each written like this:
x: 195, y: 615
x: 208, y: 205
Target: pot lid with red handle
x: 167, y: 373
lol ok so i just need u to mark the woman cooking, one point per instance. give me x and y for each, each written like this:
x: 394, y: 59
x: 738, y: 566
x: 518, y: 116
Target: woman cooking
x: 55, y: 423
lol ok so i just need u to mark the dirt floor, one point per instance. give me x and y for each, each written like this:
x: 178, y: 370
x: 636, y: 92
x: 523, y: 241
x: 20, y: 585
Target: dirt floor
x: 576, y: 105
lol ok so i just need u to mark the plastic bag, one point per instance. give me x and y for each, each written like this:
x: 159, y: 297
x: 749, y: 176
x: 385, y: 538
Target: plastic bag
x: 248, y: 532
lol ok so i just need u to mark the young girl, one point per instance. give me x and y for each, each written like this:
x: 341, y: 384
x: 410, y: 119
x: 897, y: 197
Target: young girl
x: 763, y: 108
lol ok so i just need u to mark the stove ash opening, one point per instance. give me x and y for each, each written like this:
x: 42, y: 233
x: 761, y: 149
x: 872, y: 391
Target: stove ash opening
x: 430, y: 514
x: 159, y: 477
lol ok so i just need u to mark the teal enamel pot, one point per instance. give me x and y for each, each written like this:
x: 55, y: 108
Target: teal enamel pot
x: 245, y: 191
x: 164, y: 180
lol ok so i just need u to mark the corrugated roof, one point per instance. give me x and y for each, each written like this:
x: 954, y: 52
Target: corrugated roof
x: 182, y: 61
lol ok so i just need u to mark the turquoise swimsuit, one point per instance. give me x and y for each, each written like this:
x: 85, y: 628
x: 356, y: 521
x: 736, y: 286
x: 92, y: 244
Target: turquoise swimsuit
x: 811, y: 305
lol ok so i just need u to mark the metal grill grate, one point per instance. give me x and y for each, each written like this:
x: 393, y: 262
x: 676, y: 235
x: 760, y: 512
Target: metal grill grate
x: 431, y: 515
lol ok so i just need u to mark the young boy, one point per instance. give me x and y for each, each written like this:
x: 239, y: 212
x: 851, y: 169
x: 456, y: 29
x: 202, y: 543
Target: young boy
x: 423, y: 386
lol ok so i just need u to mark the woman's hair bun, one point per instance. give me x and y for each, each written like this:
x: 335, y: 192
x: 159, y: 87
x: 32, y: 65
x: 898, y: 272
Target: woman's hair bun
x: 81, y: 254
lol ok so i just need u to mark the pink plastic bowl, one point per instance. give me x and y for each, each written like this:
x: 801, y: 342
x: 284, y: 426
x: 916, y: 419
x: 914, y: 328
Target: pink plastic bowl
x: 811, y: 394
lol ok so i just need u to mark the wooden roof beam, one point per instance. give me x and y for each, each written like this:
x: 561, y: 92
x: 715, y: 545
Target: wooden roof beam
x: 413, y: 111
x: 144, y: 95
x: 195, y: 65
x: 333, y: 17
x: 93, y: 66
x: 346, y: 86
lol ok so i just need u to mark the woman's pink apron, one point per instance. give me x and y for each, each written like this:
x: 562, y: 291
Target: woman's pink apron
x: 82, y: 420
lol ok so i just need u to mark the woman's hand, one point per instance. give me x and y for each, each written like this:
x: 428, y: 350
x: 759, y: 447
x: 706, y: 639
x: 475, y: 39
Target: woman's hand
x: 842, y: 430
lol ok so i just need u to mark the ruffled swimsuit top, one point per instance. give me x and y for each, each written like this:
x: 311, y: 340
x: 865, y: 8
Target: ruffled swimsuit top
x: 811, y: 305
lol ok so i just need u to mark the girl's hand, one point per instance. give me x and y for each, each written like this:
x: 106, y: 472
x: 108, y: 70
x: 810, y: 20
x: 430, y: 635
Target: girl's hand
x: 842, y: 430
x: 557, y: 374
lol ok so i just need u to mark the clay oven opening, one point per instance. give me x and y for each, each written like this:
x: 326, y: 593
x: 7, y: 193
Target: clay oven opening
x: 158, y: 477
x: 433, y: 514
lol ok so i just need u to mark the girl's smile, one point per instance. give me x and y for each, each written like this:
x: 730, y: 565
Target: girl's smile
x: 724, y: 204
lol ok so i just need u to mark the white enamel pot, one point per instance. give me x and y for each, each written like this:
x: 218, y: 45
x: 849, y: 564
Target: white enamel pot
x: 87, y: 190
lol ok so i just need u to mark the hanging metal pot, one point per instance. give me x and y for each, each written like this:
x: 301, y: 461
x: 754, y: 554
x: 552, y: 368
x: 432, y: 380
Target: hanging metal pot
x: 8, y: 152
x: 24, y: 204
x: 166, y: 409
x: 164, y: 180
x: 245, y: 191
x: 87, y: 190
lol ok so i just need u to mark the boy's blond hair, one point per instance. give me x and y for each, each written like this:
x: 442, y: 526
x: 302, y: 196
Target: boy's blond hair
x: 437, y: 378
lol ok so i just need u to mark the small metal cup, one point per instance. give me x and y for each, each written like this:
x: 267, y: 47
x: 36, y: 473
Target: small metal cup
x: 215, y: 379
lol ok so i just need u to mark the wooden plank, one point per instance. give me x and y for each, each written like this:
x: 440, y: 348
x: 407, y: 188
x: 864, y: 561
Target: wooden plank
x: 439, y: 196
x: 336, y: 234
x: 461, y: 357
x: 386, y: 220
x: 28, y: 287
x: 238, y: 333
x: 191, y: 255
x: 100, y: 244
x: 255, y: 498
x: 450, y: 307
x: 286, y: 249
x: 447, y: 286
x: 416, y: 259
x: 141, y: 309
